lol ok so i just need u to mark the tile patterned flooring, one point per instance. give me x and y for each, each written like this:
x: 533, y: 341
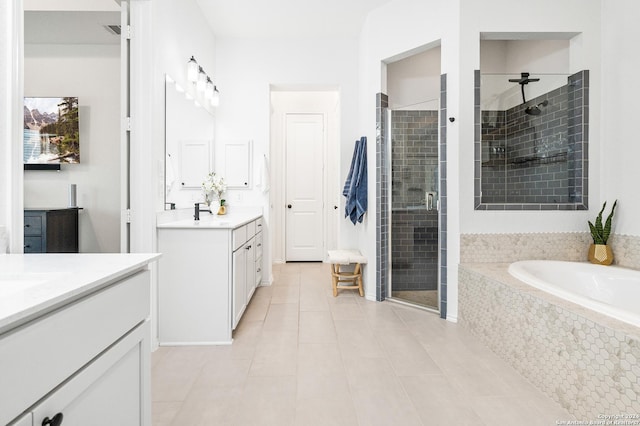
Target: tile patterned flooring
x: 302, y: 357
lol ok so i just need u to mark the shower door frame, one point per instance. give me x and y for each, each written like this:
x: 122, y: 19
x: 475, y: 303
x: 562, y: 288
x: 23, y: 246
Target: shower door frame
x: 388, y: 113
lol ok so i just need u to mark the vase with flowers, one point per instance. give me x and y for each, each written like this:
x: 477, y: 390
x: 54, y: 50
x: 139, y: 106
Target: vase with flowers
x: 213, y: 187
x: 599, y: 252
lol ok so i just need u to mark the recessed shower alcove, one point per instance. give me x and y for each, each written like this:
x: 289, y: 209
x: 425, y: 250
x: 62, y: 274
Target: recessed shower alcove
x: 531, y: 127
x: 410, y: 181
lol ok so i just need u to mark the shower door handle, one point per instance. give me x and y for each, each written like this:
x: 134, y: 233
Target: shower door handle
x: 430, y: 197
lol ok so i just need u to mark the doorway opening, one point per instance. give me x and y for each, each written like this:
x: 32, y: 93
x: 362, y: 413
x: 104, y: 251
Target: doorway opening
x: 304, y: 163
x: 411, y: 122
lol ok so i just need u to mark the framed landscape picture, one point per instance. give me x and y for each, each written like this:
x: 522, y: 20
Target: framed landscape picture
x: 51, y: 131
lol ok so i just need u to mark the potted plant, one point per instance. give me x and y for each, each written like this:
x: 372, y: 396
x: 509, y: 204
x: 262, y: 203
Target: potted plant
x: 599, y: 252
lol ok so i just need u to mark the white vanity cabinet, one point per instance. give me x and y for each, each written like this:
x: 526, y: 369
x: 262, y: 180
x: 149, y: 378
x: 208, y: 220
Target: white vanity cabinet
x: 207, y: 276
x: 246, y: 276
x: 83, y: 356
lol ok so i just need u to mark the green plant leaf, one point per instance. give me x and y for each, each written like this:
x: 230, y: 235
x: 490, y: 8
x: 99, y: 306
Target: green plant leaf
x: 594, y: 233
x: 599, y: 221
x: 607, y: 226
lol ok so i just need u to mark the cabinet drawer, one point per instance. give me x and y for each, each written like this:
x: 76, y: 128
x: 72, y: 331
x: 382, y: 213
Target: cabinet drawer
x: 258, y: 271
x: 259, y: 225
x: 239, y: 237
x: 33, y: 225
x: 33, y: 245
x: 251, y: 229
x: 63, y: 341
x: 258, y: 244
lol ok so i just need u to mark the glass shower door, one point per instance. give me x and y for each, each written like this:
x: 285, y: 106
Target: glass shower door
x: 414, y: 205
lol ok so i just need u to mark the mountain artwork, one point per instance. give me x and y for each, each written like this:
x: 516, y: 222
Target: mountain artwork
x: 51, y: 130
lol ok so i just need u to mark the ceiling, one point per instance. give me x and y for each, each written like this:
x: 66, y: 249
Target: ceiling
x: 237, y: 18
x: 287, y: 18
x: 67, y: 27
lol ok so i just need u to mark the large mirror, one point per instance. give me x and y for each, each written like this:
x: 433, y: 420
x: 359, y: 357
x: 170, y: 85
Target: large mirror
x: 531, y: 128
x: 189, y: 135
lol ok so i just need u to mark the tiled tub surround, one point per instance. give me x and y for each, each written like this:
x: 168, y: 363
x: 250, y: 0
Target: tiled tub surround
x: 585, y: 361
x: 535, y: 160
x: 572, y: 246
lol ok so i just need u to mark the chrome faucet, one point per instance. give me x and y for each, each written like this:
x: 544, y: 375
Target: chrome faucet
x: 196, y: 211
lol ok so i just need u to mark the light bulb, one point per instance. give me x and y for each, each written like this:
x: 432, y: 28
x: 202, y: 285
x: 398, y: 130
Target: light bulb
x: 208, y: 91
x: 192, y: 70
x: 202, y: 81
x: 215, y: 99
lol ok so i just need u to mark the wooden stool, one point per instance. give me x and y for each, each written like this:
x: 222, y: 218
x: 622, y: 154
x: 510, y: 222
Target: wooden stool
x: 346, y: 257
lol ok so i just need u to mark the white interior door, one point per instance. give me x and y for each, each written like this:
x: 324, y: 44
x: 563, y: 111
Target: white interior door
x: 304, y: 218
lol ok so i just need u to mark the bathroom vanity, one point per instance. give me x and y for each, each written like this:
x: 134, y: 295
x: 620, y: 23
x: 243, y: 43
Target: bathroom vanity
x: 208, y: 273
x: 74, y: 339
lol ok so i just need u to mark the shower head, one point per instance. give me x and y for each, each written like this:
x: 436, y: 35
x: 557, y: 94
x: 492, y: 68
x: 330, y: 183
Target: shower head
x: 535, y: 110
x: 524, y: 79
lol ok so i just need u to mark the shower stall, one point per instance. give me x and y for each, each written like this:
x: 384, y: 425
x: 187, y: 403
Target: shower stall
x: 413, y: 156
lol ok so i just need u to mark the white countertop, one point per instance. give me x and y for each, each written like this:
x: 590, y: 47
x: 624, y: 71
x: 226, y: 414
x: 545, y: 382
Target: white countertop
x: 33, y: 284
x: 183, y: 219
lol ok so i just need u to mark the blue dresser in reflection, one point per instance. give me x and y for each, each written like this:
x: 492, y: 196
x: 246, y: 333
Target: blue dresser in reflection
x: 51, y: 230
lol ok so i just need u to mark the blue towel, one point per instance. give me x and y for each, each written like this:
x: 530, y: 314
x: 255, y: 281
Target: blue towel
x: 355, y: 187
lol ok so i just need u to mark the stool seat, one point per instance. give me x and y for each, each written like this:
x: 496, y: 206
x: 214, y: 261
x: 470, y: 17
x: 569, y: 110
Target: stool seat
x: 354, y: 278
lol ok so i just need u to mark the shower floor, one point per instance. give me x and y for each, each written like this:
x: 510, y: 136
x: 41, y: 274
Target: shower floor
x: 427, y: 298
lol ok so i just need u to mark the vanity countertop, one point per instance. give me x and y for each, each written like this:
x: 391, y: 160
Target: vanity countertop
x: 183, y: 219
x: 34, y: 284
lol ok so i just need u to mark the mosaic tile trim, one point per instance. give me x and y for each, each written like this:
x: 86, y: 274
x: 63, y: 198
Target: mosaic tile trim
x: 589, y: 369
x: 571, y: 246
x: 482, y: 248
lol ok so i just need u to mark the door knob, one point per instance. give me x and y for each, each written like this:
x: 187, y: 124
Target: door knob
x: 288, y: 206
x: 335, y: 207
x: 55, y: 421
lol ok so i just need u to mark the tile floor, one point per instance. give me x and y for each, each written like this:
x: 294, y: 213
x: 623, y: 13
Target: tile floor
x: 302, y: 357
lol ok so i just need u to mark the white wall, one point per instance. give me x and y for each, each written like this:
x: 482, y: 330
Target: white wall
x: 413, y: 83
x: 547, y: 60
x: 406, y: 24
x: 11, y: 36
x: 246, y: 71
x: 620, y: 147
x: 92, y: 73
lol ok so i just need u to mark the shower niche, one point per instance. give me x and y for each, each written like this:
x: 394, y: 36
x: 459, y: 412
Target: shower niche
x: 531, y: 127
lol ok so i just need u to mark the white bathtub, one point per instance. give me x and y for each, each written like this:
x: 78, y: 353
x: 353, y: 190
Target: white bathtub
x: 610, y: 290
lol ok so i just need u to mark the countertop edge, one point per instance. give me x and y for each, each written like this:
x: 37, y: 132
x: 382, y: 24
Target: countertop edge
x: 47, y: 305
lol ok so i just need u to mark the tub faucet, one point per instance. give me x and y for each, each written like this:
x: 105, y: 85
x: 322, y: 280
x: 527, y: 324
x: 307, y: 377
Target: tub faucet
x: 196, y: 211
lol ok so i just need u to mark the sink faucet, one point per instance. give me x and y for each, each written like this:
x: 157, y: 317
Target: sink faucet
x: 196, y: 211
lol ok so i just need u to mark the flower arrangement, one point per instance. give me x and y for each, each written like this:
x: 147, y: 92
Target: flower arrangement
x: 213, y: 184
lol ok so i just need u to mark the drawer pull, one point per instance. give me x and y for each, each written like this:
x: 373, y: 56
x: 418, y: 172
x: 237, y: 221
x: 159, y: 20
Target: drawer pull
x: 27, y: 246
x: 26, y: 225
x: 55, y: 421
x: 248, y: 247
x: 260, y: 245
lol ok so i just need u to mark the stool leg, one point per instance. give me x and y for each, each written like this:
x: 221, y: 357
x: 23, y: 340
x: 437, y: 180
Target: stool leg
x: 358, y: 271
x: 334, y: 278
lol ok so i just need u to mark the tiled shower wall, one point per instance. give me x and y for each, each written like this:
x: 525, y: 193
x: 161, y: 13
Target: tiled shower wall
x: 536, y: 159
x: 382, y: 198
x: 414, y: 230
